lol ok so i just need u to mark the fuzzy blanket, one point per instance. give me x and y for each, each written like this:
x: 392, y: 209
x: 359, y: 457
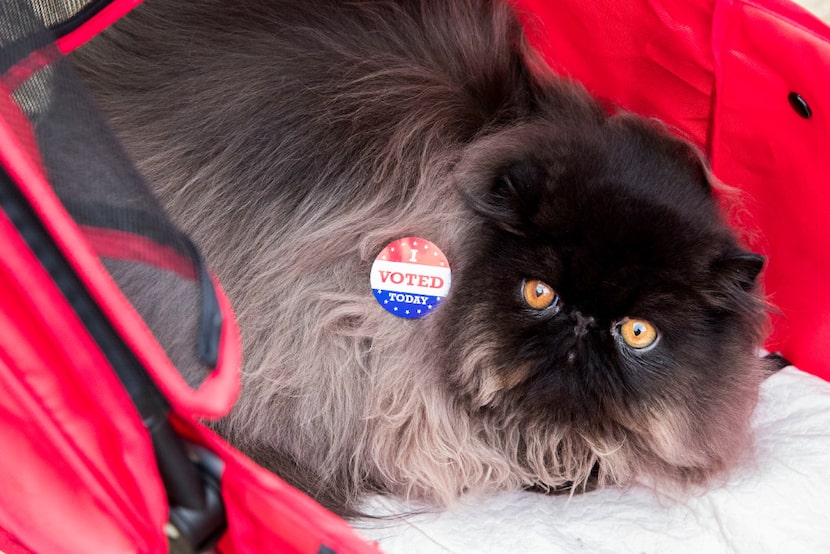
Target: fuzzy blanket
x: 777, y: 503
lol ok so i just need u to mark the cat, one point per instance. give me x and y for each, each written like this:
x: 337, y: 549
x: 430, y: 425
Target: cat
x: 602, y: 321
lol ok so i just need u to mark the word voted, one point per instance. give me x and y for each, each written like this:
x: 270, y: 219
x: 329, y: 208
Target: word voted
x: 411, y: 279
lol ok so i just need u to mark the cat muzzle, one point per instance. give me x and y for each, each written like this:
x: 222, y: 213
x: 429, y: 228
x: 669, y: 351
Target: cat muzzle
x: 583, y: 323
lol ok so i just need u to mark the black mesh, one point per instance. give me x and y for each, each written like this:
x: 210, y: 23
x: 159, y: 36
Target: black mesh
x: 63, y: 16
x: 156, y: 266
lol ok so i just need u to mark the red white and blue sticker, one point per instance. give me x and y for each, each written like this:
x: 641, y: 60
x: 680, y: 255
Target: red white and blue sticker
x: 410, y: 277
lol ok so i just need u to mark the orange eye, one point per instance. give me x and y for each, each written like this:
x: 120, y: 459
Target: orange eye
x: 638, y: 333
x: 538, y: 294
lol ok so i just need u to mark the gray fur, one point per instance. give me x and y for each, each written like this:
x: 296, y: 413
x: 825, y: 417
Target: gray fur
x: 293, y: 144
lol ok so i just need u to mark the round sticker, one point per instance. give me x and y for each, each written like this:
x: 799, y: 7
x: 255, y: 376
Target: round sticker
x: 410, y: 277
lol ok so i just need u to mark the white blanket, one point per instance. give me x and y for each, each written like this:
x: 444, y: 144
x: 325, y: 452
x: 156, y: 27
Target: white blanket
x: 779, y: 503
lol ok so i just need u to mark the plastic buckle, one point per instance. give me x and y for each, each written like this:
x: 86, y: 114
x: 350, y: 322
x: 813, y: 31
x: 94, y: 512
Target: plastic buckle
x: 196, y: 530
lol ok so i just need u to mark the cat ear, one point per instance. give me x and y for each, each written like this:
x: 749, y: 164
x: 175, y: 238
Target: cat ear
x: 512, y: 199
x: 740, y: 267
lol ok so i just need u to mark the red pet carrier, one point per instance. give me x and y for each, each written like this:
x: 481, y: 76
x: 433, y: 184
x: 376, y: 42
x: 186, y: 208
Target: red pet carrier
x: 746, y: 81
x: 102, y: 446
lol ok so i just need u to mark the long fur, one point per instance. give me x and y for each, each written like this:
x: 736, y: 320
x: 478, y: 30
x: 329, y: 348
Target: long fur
x: 293, y: 143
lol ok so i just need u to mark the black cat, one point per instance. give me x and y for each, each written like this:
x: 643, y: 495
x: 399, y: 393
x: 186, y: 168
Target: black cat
x: 602, y: 323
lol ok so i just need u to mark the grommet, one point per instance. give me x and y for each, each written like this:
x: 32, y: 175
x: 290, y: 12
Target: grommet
x: 800, y: 105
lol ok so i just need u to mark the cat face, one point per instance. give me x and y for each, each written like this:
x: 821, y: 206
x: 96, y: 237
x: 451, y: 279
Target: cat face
x: 603, y: 297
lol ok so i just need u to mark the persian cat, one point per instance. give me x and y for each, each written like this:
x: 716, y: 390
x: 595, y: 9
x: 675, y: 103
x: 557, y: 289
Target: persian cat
x: 602, y: 321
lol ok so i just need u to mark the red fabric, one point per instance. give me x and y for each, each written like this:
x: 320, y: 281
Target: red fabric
x: 77, y: 472
x: 719, y: 72
x: 779, y: 159
x: 111, y: 243
x: 27, y: 67
x: 219, y: 390
x: 82, y: 477
x: 267, y: 515
x: 115, y: 10
x: 652, y: 57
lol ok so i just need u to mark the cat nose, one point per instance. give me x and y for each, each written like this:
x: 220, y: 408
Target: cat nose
x: 583, y: 323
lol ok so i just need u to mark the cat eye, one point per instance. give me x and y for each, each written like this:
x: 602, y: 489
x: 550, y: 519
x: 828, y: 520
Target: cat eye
x: 538, y: 294
x: 637, y: 333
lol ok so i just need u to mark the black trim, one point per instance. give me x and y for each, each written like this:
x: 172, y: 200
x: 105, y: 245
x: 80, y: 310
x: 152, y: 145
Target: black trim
x: 37, y: 37
x: 201, y: 529
x: 184, y: 486
x: 210, y: 315
x: 142, y: 390
x: 86, y: 13
x: 157, y: 229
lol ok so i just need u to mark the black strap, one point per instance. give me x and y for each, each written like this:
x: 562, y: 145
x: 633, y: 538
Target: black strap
x: 186, y: 488
x: 79, y: 18
x: 158, y: 229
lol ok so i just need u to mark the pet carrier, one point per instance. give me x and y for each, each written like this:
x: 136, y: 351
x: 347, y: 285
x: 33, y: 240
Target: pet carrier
x: 103, y: 449
x: 745, y: 81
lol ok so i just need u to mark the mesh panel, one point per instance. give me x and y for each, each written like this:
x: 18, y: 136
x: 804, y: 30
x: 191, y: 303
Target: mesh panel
x: 55, y: 12
x: 156, y: 266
